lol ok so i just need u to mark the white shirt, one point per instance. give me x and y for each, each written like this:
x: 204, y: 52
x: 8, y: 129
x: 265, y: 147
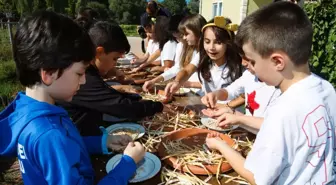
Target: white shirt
x: 168, y: 51
x: 295, y: 144
x: 152, y: 47
x: 217, y: 80
x: 172, y: 72
x: 249, y: 84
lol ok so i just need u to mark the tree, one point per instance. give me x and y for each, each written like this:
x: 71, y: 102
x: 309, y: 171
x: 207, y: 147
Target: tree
x: 102, y: 10
x: 23, y: 6
x: 127, y: 11
x: 193, y: 5
x: 81, y: 3
x: 39, y: 5
x: 175, y: 6
x: 6, y: 6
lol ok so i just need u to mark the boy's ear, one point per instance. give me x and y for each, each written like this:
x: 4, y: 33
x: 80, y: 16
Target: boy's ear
x: 278, y: 61
x: 48, y: 77
x: 100, y: 51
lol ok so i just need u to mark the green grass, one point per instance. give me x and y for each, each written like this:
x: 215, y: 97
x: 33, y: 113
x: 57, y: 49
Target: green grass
x: 9, y: 84
x: 130, y: 30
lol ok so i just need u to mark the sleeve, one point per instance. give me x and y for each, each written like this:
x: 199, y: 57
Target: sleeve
x: 98, y: 96
x: 62, y: 162
x: 121, y: 173
x: 168, y: 51
x: 149, y: 48
x: 172, y: 72
x: 236, y: 88
x: 59, y: 159
x: 269, y: 154
x: 92, y: 143
x: 195, y: 59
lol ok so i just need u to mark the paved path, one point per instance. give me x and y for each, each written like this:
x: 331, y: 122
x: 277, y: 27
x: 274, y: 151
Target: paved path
x: 135, y: 43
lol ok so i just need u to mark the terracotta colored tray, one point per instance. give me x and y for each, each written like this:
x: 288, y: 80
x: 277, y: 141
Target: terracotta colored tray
x: 193, y: 136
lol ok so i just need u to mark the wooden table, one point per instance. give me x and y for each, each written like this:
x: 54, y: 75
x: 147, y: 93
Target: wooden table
x: 190, y: 100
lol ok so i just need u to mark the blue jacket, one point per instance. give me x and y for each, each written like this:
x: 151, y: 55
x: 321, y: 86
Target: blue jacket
x: 49, y: 147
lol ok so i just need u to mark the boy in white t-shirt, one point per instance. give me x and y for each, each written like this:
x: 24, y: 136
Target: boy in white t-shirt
x: 296, y: 141
x: 258, y: 96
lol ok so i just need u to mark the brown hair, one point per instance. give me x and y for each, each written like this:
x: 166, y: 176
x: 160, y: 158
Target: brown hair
x: 195, y: 23
x: 232, y: 56
x: 280, y: 26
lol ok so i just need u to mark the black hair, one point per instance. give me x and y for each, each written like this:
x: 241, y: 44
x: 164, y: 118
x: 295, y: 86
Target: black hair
x: 280, y: 26
x: 110, y: 36
x: 146, y: 21
x: 162, y: 32
x: 174, y: 22
x: 232, y: 54
x: 49, y: 41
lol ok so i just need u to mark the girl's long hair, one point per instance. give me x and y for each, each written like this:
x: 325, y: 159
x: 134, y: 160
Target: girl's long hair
x: 195, y: 23
x: 232, y: 57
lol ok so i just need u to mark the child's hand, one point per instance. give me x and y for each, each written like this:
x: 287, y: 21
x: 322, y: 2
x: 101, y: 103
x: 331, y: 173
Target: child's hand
x: 213, y: 141
x: 136, y: 151
x: 227, y: 119
x: 118, y: 143
x: 214, y: 113
x: 171, y: 88
x: 148, y: 85
x: 210, y: 99
x: 209, y: 112
x: 156, y: 68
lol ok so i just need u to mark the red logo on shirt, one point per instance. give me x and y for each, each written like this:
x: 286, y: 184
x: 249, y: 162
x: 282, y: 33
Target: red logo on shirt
x: 251, y: 103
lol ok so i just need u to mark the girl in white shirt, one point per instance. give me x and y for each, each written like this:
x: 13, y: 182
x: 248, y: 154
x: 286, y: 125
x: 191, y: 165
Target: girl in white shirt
x: 186, y: 51
x: 165, y: 30
x: 220, y: 62
x: 152, y: 50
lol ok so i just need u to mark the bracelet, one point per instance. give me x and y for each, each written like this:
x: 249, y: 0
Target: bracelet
x: 232, y: 109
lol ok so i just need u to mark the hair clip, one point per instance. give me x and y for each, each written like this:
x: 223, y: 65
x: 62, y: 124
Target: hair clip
x: 153, y: 19
x: 220, y: 21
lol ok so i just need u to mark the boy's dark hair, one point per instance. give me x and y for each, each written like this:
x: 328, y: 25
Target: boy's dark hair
x: 49, y: 41
x: 110, y: 36
x: 232, y: 54
x: 280, y: 26
x: 162, y: 33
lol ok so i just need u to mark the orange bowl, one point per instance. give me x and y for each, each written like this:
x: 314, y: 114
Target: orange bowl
x: 190, y: 137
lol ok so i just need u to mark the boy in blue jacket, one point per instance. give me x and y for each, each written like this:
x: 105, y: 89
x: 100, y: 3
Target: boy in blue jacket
x: 51, y: 56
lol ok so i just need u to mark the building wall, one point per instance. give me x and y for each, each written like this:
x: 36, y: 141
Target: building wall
x: 206, y: 11
x: 230, y: 8
x: 254, y: 5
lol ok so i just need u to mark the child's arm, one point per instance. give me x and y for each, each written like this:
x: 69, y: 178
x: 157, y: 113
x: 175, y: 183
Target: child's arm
x: 232, y: 91
x: 98, y: 96
x: 151, y: 61
x: 154, y: 56
x: 233, y: 157
x: 237, y: 102
x: 180, y: 79
x: 167, y: 65
x: 189, y: 84
x: 61, y: 162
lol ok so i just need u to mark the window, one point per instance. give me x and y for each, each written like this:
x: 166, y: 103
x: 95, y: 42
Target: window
x: 217, y: 9
x: 214, y: 9
x: 220, y: 8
